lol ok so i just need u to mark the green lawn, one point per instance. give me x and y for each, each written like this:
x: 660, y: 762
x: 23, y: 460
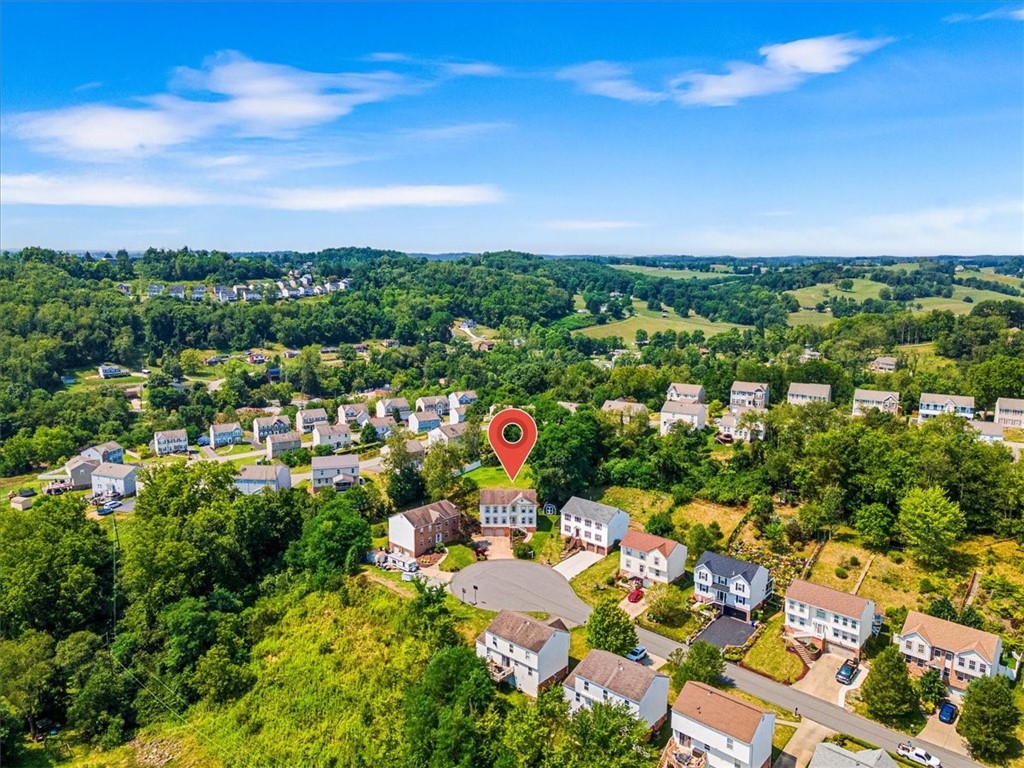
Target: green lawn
x: 591, y: 585
x: 719, y: 270
x: 459, y: 556
x: 638, y: 503
x: 234, y: 450
x: 922, y: 357
x: 495, y: 477
x: 810, y: 318
x: 769, y: 656
x: 988, y: 273
x: 956, y: 304
x: 780, y: 738
x: 653, y: 322
x: 578, y: 645
x: 862, y: 289
x: 546, y: 542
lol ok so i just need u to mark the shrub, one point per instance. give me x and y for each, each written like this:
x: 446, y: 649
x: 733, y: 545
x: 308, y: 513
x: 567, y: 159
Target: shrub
x: 896, y: 557
x: 854, y: 561
x: 379, y: 530
x: 926, y: 586
x: 841, y: 573
x: 522, y: 551
x: 609, y: 580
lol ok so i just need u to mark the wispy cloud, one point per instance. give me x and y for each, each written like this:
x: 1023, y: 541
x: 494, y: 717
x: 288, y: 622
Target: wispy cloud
x: 357, y: 198
x: 90, y: 86
x: 1013, y: 13
x: 592, y: 225
x: 36, y: 189
x: 785, y: 66
x: 474, y: 69
x: 388, y: 56
x: 457, y: 131
x: 605, y: 78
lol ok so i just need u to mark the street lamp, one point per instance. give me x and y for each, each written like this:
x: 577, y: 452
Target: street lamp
x: 474, y: 595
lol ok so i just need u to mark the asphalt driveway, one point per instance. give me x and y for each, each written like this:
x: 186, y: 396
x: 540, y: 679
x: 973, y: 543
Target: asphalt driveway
x: 726, y: 631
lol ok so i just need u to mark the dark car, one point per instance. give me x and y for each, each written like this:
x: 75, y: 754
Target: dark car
x: 848, y: 671
x: 947, y: 712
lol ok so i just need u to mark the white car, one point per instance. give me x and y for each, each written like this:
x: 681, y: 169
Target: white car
x: 918, y: 755
x: 637, y: 654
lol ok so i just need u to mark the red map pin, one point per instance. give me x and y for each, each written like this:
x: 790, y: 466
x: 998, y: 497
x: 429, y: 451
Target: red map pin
x: 512, y: 455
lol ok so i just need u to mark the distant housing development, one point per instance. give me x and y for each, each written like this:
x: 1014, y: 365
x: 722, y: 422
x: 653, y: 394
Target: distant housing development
x: 802, y: 394
x: 866, y: 399
x: 748, y: 394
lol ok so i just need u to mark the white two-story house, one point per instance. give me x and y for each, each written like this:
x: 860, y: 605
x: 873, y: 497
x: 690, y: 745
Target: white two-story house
x: 838, y: 620
x: 358, y: 413
x: 170, y: 441
x: 932, y: 405
x: 748, y: 394
x: 802, y: 394
x: 735, y: 587
x: 449, y: 434
x: 530, y: 654
x: 335, y: 435
x: 651, y: 558
x: 595, y: 527
x: 866, y: 399
x: 503, y: 510
x: 255, y: 478
x: 307, y: 419
x: 433, y: 404
x: 1009, y: 412
x: 959, y: 653
x: 395, y: 407
x: 715, y: 730
x: 338, y: 472
x: 461, y: 399
x: 608, y: 678
x: 683, y: 411
x: 736, y: 427
x: 685, y: 393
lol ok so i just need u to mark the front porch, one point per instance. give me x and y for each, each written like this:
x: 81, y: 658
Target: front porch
x: 685, y: 755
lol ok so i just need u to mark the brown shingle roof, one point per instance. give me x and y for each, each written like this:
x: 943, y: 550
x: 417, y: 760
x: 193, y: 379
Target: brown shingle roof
x: 431, y: 513
x: 951, y: 636
x: 830, y: 599
x: 726, y: 714
x: 647, y: 542
x: 506, y: 495
x: 614, y: 673
x: 524, y: 631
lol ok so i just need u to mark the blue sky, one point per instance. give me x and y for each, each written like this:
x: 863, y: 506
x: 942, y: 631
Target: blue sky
x: 749, y: 129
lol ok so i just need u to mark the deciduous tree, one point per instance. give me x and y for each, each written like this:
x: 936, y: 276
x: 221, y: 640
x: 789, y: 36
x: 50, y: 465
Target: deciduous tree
x: 888, y: 692
x: 989, y: 717
x: 609, y: 628
x: 930, y: 524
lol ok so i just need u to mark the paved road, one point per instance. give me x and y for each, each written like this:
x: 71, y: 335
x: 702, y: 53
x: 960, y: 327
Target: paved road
x: 524, y: 586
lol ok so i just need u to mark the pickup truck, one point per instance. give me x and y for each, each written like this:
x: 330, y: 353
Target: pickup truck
x: 907, y: 750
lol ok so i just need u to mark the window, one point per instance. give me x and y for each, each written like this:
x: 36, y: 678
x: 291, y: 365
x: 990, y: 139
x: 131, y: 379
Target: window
x: 528, y: 656
x: 972, y: 665
x: 920, y: 647
x: 983, y: 669
x: 511, y: 647
x: 586, y: 534
x: 853, y: 624
x: 728, y: 742
x: 587, y: 523
x: 586, y: 685
x: 835, y: 633
x: 909, y: 645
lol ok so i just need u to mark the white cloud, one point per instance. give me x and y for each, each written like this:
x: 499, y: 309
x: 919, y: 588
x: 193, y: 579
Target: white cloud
x: 388, y: 56
x: 36, y: 189
x: 592, y: 225
x: 1012, y: 13
x: 474, y: 69
x: 359, y: 198
x: 605, y: 78
x: 91, y: 85
x: 457, y: 131
x: 785, y: 66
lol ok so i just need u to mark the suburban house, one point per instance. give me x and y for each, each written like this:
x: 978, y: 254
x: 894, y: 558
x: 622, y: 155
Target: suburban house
x: 176, y: 292
x: 170, y: 441
x: 802, y: 394
x: 838, y: 620
x: 833, y: 756
x: 256, y: 478
x: 265, y: 426
x: 683, y: 411
x: 338, y: 472
x: 461, y: 399
x: 108, y: 371
x: 155, y: 289
x: 225, y: 434
x: 104, y: 453
x: 79, y: 471
x: 306, y: 420
x: 382, y: 425
x: 433, y: 404
x: 396, y: 407
x: 686, y: 393
x: 419, y: 530
x: 198, y: 292
x: 717, y: 730
x: 734, y: 586
x: 530, y: 654
x: 424, y: 421
x: 625, y: 410
x: 354, y: 412
x: 731, y: 424
x: 883, y: 364
x: 596, y: 527
x: 959, y: 653
x: 415, y: 450
x: 866, y: 399
x: 457, y: 415
x: 336, y: 435
x: 748, y: 394
x: 651, y: 558
x: 809, y: 354
x: 988, y: 431
x: 932, y: 405
x: 504, y: 509
x: 1009, y: 412
x: 278, y: 444
x: 449, y: 434
x: 610, y: 679
x: 114, y: 478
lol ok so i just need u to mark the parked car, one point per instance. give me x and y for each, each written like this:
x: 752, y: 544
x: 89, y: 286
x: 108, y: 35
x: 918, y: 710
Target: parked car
x: 635, y: 596
x: 916, y: 754
x: 104, y: 511
x: 637, y: 654
x: 202, y: 440
x: 948, y: 712
x: 848, y: 671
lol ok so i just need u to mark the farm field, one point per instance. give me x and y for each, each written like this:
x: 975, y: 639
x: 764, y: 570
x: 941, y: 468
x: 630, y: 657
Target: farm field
x: 652, y: 322
x: 810, y: 318
x: 719, y: 270
x: 989, y: 273
x: 956, y: 304
x: 862, y: 289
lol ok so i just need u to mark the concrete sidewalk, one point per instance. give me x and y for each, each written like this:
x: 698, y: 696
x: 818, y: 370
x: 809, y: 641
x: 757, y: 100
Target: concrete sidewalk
x: 577, y: 564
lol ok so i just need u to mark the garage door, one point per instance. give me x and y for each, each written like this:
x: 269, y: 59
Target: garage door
x: 736, y: 613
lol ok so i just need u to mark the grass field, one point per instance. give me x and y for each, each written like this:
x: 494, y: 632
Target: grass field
x: 862, y: 289
x: 769, y: 656
x: 639, y: 504
x: 652, y: 322
x: 720, y: 270
x: 495, y: 477
x: 956, y: 304
x: 706, y: 512
x: 810, y: 318
x: 922, y: 357
x: 459, y: 556
x: 988, y: 273
x: 591, y: 585
x: 545, y: 542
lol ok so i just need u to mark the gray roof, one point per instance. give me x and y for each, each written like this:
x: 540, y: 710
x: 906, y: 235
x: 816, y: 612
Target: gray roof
x: 285, y: 437
x: 524, y: 631
x: 454, y: 430
x: 1012, y: 403
x: 689, y: 389
x: 432, y: 399
x: 988, y: 428
x: 623, y: 405
x: 223, y: 428
x: 833, y: 756
x: 961, y: 401
x: 260, y: 472
x: 76, y: 461
x: 685, y: 409
x: 592, y: 510
x: 811, y: 390
x: 325, y: 430
x: 114, y: 470
x: 727, y: 567
x: 171, y: 434
x: 874, y: 395
x: 618, y: 675
x: 313, y: 413
x: 344, y: 461
x: 747, y: 386
x: 266, y: 421
x: 106, y: 447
